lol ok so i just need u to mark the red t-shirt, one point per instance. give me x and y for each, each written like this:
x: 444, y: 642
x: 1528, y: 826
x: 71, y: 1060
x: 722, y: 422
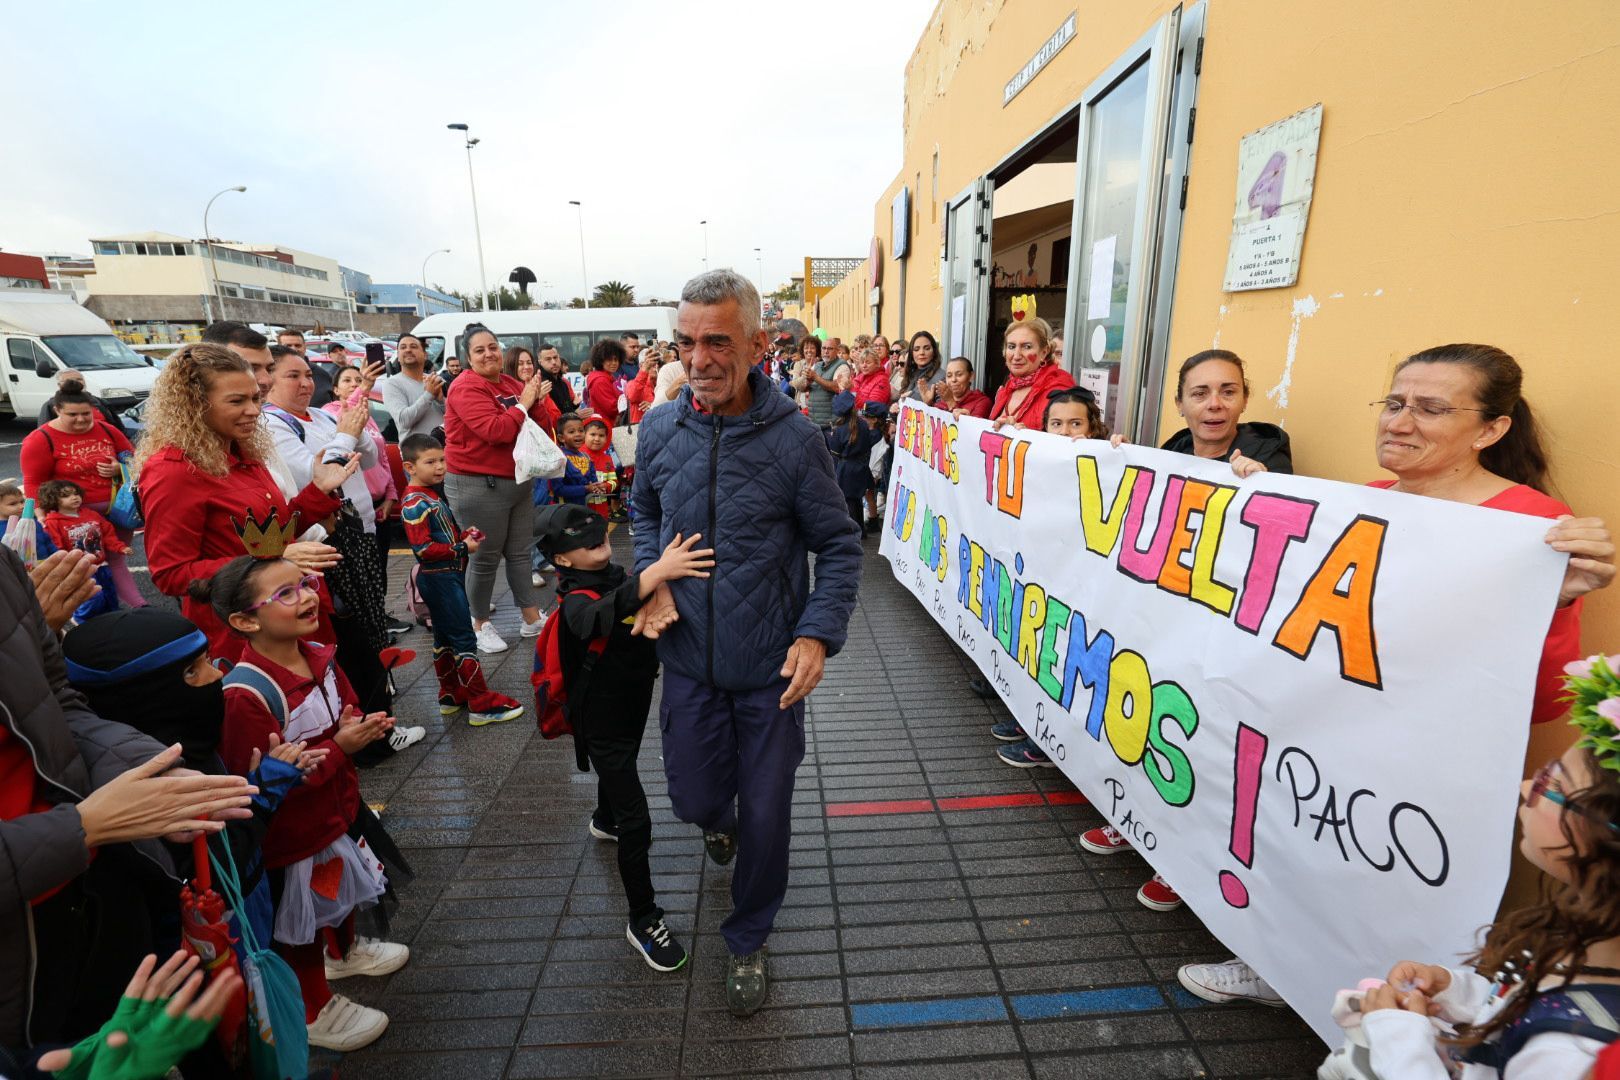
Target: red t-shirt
x: 1563, y: 643
x: 48, y: 454
x: 482, y: 421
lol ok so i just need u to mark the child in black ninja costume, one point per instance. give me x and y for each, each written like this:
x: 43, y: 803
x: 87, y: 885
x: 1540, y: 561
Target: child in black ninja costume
x: 609, y: 691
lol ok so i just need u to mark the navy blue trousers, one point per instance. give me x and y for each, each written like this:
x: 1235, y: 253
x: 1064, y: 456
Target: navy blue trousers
x: 730, y: 756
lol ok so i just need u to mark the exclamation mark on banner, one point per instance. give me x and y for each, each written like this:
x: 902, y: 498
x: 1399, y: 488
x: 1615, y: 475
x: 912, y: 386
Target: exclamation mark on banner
x: 1246, y: 765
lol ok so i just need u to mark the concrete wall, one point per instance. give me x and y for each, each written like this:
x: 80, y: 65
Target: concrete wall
x: 1464, y: 191
x: 191, y: 309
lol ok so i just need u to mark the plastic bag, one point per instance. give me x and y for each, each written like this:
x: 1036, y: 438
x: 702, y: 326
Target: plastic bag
x: 624, y: 445
x: 534, y: 455
x: 125, y: 509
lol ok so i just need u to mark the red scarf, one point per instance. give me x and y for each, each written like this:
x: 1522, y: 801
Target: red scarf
x: 1016, y: 383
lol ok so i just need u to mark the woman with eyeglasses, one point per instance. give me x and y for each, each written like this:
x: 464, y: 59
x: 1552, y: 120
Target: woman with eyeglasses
x: 1455, y: 425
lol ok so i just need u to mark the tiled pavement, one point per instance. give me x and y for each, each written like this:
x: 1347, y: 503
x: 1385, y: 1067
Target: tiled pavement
x: 951, y: 944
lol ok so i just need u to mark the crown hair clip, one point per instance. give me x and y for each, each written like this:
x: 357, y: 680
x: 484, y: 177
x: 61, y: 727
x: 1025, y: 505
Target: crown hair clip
x: 266, y: 539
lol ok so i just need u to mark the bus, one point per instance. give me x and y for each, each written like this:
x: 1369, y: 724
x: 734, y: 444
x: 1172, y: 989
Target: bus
x: 572, y: 330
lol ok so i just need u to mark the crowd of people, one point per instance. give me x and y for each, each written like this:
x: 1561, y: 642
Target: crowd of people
x: 143, y: 747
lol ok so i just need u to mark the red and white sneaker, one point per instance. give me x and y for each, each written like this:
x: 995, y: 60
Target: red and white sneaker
x: 1158, y: 895
x: 1104, y: 841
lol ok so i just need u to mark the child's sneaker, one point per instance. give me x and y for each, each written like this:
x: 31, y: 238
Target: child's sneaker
x: 1104, y: 841
x: 346, y: 1025
x: 653, y: 940
x: 368, y: 956
x: 498, y: 715
x: 449, y: 706
x: 1231, y: 981
x: 1009, y: 730
x: 1158, y: 895
x: 604, y: 831
x: 1024, y: 755
x: 401, y: 736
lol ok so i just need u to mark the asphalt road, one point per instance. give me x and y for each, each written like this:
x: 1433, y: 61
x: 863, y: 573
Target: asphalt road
x: 12, y: 433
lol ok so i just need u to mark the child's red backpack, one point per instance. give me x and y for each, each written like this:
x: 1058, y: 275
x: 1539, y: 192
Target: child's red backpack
x: 551, y: 689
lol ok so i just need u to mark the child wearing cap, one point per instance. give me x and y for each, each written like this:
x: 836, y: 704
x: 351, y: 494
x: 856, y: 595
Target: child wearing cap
x: 850, y: 440
x: 610, y: 693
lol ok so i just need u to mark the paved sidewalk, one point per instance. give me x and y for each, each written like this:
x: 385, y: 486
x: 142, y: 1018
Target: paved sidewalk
x: 923, y: 938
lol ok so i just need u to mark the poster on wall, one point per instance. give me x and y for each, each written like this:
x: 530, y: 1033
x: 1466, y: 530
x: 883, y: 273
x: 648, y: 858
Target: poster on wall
x: 1276, y: 176
x: 1295, y: 706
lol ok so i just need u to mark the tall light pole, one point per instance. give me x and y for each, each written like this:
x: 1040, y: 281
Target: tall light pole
x: 583, y: 273
x: 213, y: 266
x: 478, y: 234
x: 705, y: 224
x: 441, y: 251
x: 759, y: 262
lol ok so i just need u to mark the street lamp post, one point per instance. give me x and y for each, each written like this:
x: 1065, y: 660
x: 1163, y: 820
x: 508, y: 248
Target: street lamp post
x: 759, y: 263
x: 441, y: 251
x: 478, y: 234
x: 583, y: 273
x: 705, y: 224
x: 213, y: 266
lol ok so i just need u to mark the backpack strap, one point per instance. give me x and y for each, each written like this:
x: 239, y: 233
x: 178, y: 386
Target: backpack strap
x: 287, y: 418
x: 257, y: 681
x: 1586, y: 1010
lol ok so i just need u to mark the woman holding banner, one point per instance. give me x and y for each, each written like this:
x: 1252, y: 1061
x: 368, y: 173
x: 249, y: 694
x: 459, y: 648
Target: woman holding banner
x: 1212, y: 390
x: 1031, y: 375
x: 1455, y: 425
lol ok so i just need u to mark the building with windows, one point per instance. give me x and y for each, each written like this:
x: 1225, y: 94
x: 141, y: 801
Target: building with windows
x: 158, y: 285
x: 22, y: 272
x: 418, y: 300
x: 1409, y: 175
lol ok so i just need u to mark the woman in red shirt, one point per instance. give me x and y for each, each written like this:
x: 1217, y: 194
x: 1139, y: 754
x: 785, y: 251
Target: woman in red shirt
x: 1031, y: 375
x: 638, y: 394
x: 959, y: 395
x: 82, y: 447
x: 483, y: 414
x: 202, y: 475
x: 602, y: 385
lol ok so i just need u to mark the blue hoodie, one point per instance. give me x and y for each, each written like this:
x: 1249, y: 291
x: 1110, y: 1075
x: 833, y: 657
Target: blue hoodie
x: 760, y: 488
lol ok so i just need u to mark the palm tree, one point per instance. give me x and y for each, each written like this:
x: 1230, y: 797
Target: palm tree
x: 614, y: 294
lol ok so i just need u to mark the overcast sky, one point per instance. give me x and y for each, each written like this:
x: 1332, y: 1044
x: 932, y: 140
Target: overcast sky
x: 779, y: 123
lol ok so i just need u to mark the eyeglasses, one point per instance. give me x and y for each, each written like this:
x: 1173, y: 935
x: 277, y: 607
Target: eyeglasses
x: 896, y: 352
x: 1390, y: 408
x: 288, y: 595
x: 1541, y: 786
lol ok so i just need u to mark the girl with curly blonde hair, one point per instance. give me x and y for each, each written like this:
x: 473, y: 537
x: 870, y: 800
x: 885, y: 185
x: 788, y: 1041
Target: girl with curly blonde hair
x: 203, y: 482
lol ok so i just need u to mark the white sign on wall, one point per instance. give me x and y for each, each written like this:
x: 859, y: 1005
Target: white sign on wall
x: 1301, y: 711
x: 1043, y: 56
x: 1276, y: 177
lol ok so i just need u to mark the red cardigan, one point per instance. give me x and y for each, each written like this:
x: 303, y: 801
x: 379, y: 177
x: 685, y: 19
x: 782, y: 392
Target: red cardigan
x: 191, y: 520
x: 1563, y: 642
x: 321, y: 809
x: 48, y: 454
x: 1048, y: 377
x: 602, y: 395
x: 482, y: 421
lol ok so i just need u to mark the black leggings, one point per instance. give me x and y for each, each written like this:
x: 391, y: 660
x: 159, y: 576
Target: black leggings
x: 613, y: 726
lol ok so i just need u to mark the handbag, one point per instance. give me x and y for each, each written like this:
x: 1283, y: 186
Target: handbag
x: 534, y: 455
x: 125, y: 509
x: 278, y: 1040
x: 624, y: 445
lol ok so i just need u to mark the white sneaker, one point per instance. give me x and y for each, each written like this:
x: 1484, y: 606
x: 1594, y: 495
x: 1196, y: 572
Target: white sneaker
x: 532, y: 629
x: 489, y: 641
x: 401, y: 737
x: 347, y: 1025
x: 1231, y: 981
x: 368, y: 956
x: 536, y: 578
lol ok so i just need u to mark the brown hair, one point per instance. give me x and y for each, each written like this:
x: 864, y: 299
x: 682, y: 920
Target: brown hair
x: 1518, y: 454
x: 177, y: 411
x: 49, y: 496
x: 1203, y: 358
x: 1570, y: 919
x: 509, y: 365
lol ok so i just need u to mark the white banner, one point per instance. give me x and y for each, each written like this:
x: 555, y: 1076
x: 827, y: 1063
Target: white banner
x: 1304, y: 702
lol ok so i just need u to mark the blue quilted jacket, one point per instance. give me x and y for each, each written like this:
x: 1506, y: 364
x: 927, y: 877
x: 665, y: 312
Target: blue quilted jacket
x: 760, y: 489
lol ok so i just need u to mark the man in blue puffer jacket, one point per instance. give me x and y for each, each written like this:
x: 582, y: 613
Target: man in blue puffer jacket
x: 735, y: 461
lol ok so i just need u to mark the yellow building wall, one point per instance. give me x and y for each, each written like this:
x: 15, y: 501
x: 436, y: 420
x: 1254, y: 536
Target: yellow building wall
x: 1464, y: 192
x: 845, y: 311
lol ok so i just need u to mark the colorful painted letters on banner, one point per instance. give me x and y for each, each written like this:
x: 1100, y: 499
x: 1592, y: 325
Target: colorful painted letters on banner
x: 1304, y: 702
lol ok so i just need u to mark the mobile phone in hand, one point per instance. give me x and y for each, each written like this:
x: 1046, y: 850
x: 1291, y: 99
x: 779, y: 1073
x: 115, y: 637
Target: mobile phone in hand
x: 374, y: 353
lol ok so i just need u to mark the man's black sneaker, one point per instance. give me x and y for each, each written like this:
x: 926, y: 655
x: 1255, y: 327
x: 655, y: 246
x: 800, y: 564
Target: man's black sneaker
x: 978, y: 685
x: 652, y: 939
x: 722, y: 847
x: 746, y: 983
x: 396, y: 627
x: 604, y: 830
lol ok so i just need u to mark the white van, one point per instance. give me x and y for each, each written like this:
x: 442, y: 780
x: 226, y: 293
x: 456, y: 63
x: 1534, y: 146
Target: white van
x: 572, y: 330
x: 43, y: 332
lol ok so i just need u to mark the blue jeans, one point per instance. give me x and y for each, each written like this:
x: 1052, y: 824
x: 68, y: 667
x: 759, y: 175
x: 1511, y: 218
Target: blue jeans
x: 444, y: 591
x: 730, y: 757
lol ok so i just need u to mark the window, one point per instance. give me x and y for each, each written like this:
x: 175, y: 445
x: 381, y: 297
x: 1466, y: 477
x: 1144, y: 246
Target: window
x: 575, y: 348
x: 509, y: 340
x: 19, y: 283
x: 21, y: 351
x: 106, y: 247
x: 434, y: 347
